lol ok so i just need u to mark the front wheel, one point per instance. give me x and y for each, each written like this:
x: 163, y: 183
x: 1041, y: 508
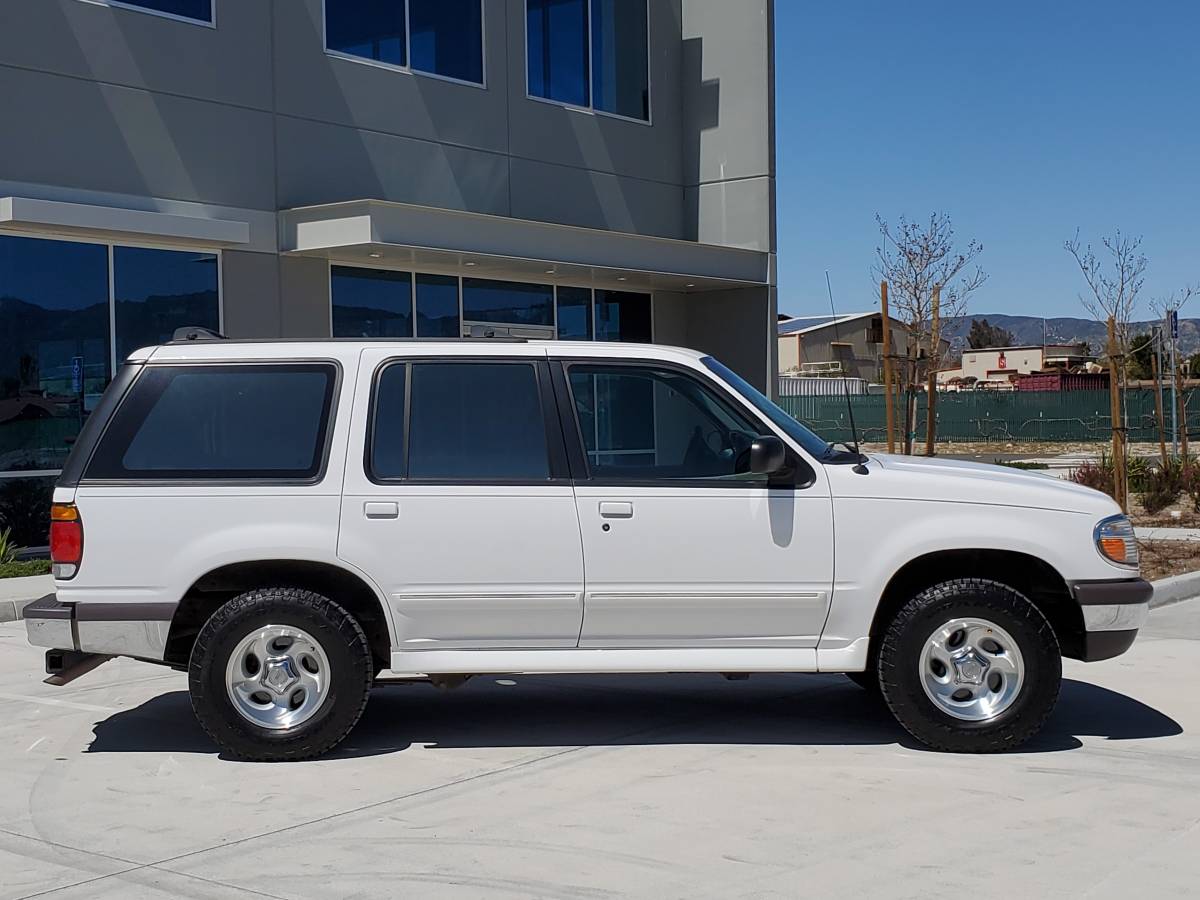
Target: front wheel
x: 279, y: 673
x: 970, y: 666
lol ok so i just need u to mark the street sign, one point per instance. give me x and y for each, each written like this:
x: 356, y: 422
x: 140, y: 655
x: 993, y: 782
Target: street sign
x: 1173, y: 323
x: 77, y: 374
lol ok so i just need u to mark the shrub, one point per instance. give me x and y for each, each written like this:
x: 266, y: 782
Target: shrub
x: 1097, y: 475
x: 1017, y: 464
x: 8, y: 547
x: 1161, y: 486
x: 23, y: 569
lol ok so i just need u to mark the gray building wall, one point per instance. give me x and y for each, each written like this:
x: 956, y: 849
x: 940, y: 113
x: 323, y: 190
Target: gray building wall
x: 254, y: 117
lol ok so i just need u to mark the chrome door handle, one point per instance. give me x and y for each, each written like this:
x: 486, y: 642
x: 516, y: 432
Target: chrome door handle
x: 380, y: 510
x: 612, y: 509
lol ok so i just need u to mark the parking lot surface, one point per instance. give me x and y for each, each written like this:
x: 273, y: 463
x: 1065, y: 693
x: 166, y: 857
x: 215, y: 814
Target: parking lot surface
x: 591, y: 787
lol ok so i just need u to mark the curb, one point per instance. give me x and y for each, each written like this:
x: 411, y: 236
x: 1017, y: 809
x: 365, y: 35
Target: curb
x: 1176, y: 589
x: 17, y: 593
x: 10, y: 610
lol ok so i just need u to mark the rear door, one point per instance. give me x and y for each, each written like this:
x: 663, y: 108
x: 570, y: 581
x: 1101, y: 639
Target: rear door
x: 458, y: 502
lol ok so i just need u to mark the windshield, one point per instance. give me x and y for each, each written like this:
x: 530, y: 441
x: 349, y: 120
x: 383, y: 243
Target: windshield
x: 797, y: 432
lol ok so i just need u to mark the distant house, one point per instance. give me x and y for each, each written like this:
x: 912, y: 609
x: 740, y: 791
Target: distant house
x: 848, y: 345
x: 999, y: 367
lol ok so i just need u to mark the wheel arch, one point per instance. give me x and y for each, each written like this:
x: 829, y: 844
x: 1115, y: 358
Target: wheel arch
x: 214, y: 588
x: 1033, y: 577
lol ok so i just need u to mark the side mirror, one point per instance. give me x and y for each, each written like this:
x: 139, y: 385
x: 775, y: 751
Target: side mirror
x: 768, y: 455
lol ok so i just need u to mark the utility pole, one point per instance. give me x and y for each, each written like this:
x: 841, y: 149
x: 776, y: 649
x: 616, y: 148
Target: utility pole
x: 889, y: 409
x: 934, y: 346
x: 1118, y: 429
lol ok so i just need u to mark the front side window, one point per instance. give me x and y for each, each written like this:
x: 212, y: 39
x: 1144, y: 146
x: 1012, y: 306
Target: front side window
x: 370, y: 302
x: 591, y: 53
x: 647, y: 424
x: 200, y: 10
x: 439, y: 37
x: 220, y: 421
x: 468, y: 421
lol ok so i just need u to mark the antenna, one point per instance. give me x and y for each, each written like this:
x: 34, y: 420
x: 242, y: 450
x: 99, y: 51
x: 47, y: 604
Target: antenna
x: 860, y: 468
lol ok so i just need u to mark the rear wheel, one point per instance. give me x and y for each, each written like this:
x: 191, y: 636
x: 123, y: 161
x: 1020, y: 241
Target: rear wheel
x: 970, y: 666
x: 279, y: 673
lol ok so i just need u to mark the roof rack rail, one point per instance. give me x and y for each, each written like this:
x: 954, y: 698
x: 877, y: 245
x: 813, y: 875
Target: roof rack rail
x: 195, y: 333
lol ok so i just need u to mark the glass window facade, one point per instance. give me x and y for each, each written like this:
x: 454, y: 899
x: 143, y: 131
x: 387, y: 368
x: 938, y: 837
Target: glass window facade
x: 592, y: 53
x: 371, y: 302
x: 156, y: 290
x: 507, y: 302
x: 623, y: 316
x: 439, y: 37
x: 371, y: 29
x: 200, y: 10
x: 556, y: 33
x: 447, y: 38
x: 620, y: 58
x: 575, y: 314
x: 57, y: 347
x: 437, y: 306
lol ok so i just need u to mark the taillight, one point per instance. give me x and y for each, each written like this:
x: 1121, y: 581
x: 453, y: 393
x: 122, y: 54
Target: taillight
x: 66, y: 539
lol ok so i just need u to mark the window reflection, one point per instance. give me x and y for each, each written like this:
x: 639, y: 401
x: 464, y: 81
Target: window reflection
x: 575, y: 313
x: 623, y: 316
x: 200, y: 10
x: 371, y: 302
x: 54, y: 346
x: 372, y: 29
x: 620, y: 76
x: 437, y: 306
x: 157, y: 291
x: 557, y: 45
x: 447, y: 38
x: 508, y: 302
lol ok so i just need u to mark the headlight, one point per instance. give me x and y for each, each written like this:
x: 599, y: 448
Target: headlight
x: 1115, y: 541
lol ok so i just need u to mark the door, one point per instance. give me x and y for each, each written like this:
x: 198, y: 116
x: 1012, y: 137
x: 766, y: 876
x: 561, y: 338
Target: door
x: 459, y: 505
x: 683, y: 546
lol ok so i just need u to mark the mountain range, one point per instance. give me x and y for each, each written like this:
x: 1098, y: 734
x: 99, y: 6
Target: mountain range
x: 1028, y: 330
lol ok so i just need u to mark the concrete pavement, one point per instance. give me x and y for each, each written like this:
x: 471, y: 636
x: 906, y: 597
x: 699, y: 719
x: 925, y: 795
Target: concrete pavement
x: 592, y: 787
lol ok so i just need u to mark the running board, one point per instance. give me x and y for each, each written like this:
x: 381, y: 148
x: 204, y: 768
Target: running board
x: 575, y: 661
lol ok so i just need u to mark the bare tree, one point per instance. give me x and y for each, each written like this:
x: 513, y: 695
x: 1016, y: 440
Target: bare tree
x: 916, y: 259
x: 1112, y: 293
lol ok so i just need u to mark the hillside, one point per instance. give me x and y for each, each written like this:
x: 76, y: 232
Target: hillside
x: 1028, y: 330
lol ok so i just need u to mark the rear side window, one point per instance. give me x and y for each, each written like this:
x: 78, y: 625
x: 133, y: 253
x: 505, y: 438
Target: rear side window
x: 468, y: 421
x: 218, y: 421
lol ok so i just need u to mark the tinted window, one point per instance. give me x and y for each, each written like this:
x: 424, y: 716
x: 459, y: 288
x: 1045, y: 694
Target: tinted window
x: 575, y: 313
x: 622, y: 316
x: 447, y: 37
x: 387, y: 423
x: 620, y: 74
x: 652, y: 424
x: 557, y: 44
x: 189, y: 9
x: 437, y: 306
x: 54, y: 346
x: 508, y: 302
x: 476, y: 421
x: 372, y: 29
x: 371, y: 302
x: 219, y: 422
x: 158, y: 291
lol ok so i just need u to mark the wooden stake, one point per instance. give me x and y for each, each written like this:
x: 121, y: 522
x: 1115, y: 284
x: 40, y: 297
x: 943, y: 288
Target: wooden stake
x: 889, y: 408
x: 935, y: 340
x: 1158, y: 409
x: 1118, y: 431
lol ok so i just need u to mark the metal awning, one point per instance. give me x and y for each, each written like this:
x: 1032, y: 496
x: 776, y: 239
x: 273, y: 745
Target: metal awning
x: 402, y: 235
x: 19, y: 214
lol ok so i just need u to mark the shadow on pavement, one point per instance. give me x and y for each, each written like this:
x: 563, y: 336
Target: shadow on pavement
x: 567, y: 711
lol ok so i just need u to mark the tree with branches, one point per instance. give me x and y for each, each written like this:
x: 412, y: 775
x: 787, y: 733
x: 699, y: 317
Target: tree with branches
x: 1113, y: 285
x: 917, y: 260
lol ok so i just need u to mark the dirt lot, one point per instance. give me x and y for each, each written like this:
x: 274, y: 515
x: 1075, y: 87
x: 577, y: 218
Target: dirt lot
x: 1162, y: 559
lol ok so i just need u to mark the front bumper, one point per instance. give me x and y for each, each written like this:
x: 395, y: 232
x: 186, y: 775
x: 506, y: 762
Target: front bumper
x: 1113, y: 611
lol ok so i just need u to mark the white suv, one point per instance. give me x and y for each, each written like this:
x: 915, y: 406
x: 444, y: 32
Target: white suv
x: 289, y: 522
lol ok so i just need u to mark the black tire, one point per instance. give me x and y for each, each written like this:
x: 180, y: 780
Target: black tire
x: 899, y: 657
x: 341, y: 638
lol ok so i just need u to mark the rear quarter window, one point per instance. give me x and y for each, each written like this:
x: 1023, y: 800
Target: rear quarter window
x: 251, y: 421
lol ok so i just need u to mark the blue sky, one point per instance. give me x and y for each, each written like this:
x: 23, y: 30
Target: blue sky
x: 1022, y: 120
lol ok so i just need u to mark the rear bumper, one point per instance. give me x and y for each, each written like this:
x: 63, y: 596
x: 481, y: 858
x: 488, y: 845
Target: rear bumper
x: 139, y: 630
x: 1113, y: 611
